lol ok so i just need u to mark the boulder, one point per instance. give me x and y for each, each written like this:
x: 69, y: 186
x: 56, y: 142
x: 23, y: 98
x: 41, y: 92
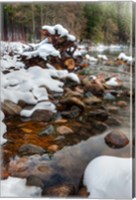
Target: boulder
x: 116, y: 139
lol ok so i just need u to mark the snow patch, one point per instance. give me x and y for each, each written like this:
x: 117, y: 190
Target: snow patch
x: 109, y: 177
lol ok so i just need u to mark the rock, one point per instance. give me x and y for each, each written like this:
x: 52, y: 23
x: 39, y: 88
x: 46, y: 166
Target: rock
x: 71, y: 93
x: 4, y: 174
x: 53, y: 148
x: 61, y: 121
x: 116, y: 139
x: 122, y: 103
x: 111, y: 121
x: 83, y: 192
x: 10, y: 108
x: 30, y: 149
x: 73, y: 101
x: 42, y: 115
x: 109, y: 96
x: 49, y: 130
x: 93, y: 100
x: 113, y: 109
x: 73, y: 113
x: 64, y: 190
x: 63, y: 130
x: 100, y: 115
x: 33, y: 180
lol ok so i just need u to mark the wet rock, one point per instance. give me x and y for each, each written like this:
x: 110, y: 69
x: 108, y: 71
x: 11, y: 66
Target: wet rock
x: 60, y: 137
x: 83, y: 192
x: 122, y: 103
x: 30, y: 149
x: 70, y: 101
x: 111, y: 121
x: 72, y: 113
x: 69, y: 92
x: 100, y: 115
x: 49, y: 130
x: 109, y: 96
x: 33, y: 180
x: 42, y: 115
x: 99, y: 127
x: 113, y: 109
x: 93, y: 100
x: 116, y: 139
x: 64, y: 130
x: 64, y: 190
x: 10, y: 108
x: 53, y: 148
x: 61, y: 121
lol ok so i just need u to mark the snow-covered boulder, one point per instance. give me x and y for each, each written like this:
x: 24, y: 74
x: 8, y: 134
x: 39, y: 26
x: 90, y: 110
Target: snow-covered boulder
x: 109, y: 177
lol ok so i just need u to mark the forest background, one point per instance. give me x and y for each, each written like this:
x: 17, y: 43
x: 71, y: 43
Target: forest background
x: 96, y: 22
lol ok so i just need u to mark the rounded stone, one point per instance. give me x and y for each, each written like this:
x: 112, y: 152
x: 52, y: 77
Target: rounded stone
x: 116, y: 139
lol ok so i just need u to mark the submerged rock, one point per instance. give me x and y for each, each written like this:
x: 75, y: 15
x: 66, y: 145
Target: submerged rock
x: 63, y: 190
x: 30, y: 149
x: 42, y: 115
x: 116, y: 139
x: 63, y: 130
x: 100, y: 115
x: 111, y: 121
x: 49, y: 130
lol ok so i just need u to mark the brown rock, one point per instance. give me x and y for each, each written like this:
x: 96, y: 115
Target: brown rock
x: 63, y: 190
x: 83, y: 192
x: 61, y: 121
x: 53, y: 148
x: 64, y: 130
x: 122, y: 103
x: 10, y: 108
x: 92, y: 100
x: 4, y: 173
x: 42, y: 115
x: 116, y: 139
x: 100, y: 115
x: 73, y: 101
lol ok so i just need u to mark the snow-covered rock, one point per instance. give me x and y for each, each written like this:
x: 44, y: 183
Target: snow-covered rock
x: 113, y: 81
x: 124, y: 57
x: 109, y: 177
x: 16, y: 187
x: 91, y: 58
x: 102, y: 57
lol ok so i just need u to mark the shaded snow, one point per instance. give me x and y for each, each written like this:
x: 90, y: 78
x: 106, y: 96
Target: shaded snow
x: 3, y: 128
x: 112, y: 82
x: 109, y: 177
x: 16, y: 187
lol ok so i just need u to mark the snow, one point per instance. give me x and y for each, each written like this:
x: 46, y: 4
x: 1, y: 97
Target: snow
x: 43, y: 51
x: 112, y: 82
x: 16, y: 187
x: 40, y: 106
x: 3, y: 128
x: 124, y: 57
x: 109, y: 177
x: 7, y: 62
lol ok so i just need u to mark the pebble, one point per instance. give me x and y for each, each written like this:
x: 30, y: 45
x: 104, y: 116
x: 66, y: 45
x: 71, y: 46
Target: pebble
x: 42, y: 115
